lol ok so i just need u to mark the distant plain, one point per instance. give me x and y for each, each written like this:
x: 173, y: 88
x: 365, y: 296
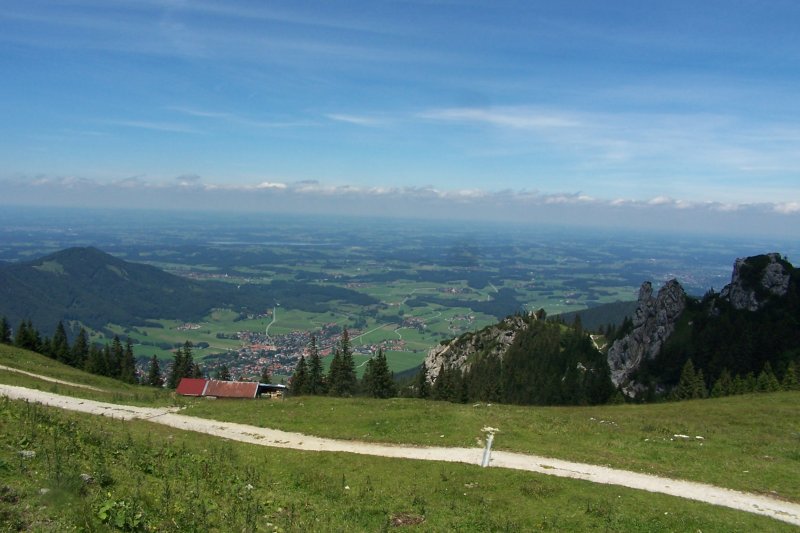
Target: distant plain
x: 433, y: 280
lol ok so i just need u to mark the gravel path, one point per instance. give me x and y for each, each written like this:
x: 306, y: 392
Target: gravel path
x: 752, y: 503
x: 46, y: 378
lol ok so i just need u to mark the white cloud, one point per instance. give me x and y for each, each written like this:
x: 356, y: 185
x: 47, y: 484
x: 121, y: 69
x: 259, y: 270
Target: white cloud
x: 169, y: 127
x: 314, y: 197
x: 510, y: 117
x: 270, y: 185
x: 358, y: 120
x: 787, y: 208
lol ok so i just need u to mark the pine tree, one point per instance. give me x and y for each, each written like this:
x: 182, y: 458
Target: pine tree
x: 447, y: 385
x: 723, y: 386
x: 96, y: 361
x: 577, y: 324
x: 20, y: 335
x: 59, y: 346
x: 154, y: 378
x: 790, y: 381
x: 334, y: 371
x: 265, y: 377
x: 80, y: 350
x: 750, y: 383
x: 5, y: 331
x: 127, y: 364
x: 299, y: 384
x: 349, y: 381
x: 378, y: 379
x: 739, y: 385
x: 422, y: 388
x: 178, y: 368
x: 27, y: 337
x: 115, y: 358
x: 108, y: 362
x: 699, y: 389
x: 316, y: 378
x: 766, y: 381
x: 342, y: 373
x: 223, y: 373
x: 687, y: 385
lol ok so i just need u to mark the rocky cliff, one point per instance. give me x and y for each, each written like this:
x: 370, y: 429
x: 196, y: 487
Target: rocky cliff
x: 753, y: 320
x: 493, y: 340
x: 653, y: 323
x: 757, y: 279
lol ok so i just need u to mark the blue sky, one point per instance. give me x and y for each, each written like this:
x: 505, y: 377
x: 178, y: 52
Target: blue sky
x: 615, y: 111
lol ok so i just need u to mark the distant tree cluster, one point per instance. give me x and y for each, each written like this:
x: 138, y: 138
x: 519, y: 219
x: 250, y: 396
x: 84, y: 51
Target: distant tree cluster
x: 692, y: 384
x: 547, y: 364
x: 341, y: 380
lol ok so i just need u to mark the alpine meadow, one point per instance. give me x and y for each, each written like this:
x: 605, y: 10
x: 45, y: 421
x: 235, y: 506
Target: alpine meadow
x: 296, y: 266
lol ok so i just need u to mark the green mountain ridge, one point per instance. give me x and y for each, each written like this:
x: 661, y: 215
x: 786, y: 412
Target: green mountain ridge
x: 90, y: 286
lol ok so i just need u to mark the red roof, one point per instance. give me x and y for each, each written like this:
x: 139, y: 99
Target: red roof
x: 191, y: 387
x: 231, y: 389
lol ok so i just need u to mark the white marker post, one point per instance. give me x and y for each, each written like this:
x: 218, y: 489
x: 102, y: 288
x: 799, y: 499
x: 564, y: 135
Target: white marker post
x: 487, y: 452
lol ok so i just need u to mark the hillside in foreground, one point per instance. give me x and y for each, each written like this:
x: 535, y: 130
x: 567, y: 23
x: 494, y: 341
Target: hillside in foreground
x: 64, y: 471
x: 748, y: 442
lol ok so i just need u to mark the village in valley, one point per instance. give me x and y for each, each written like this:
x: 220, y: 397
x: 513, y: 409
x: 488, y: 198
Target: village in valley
x: 279, y: 353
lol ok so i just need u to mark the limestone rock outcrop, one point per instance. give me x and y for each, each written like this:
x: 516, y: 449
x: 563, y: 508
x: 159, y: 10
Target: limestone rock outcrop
x: 755, y: 280
x: 653, y: 323
x: 493, y: 340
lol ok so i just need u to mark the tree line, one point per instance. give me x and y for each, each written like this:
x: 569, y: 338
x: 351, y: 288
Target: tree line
x: 692, y: 383
x: 115, y: 360
x: 310, y: 378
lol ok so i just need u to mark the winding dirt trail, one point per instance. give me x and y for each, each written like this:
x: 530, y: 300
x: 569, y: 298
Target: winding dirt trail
x: 46, y: 378
x: 752, y: 503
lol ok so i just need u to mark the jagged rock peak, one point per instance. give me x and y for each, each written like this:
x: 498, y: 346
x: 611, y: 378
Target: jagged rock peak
x: 492, y: 340
x: 653, y: 323
x: 755, y: 279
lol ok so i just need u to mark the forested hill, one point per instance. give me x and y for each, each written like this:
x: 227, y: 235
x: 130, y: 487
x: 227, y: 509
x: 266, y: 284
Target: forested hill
x: 95, y: 288
x: 744, y: 339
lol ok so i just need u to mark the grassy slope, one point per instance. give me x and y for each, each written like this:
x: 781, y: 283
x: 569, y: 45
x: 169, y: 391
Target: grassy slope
x: 749, y: 443
x: 112, y: 390
x: 149, y: 477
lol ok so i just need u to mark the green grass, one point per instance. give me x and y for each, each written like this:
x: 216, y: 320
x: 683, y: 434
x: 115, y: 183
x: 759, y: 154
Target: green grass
x: 145, y: 477
x: 750, y: 443
x: 111, y: 390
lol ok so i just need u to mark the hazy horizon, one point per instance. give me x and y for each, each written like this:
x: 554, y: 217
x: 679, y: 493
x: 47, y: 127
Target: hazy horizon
x: 681, y: 116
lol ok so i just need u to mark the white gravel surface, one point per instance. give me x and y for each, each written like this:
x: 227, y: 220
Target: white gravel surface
x: 752, y: 503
